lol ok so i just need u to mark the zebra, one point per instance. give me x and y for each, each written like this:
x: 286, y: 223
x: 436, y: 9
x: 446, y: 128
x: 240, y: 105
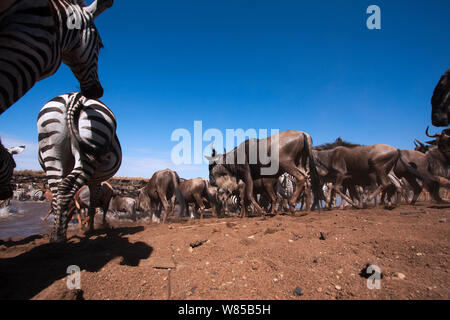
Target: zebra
x: 7, y: 165
x: 37, y: 35
x: 78, y: 145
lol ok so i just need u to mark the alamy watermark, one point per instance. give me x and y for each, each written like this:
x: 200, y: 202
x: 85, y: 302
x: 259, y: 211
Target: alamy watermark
x: 374, y: 281
x: 374, y: 20
x: 74, y: 279
x: 194, y: 148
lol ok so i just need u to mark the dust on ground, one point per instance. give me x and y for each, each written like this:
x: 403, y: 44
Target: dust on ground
x: 315, y: 256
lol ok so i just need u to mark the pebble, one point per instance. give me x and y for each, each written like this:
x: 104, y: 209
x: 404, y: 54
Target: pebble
x: 298, y: 291
x: 399, y: 275
x: 337, y: 287
x: 443, y: 220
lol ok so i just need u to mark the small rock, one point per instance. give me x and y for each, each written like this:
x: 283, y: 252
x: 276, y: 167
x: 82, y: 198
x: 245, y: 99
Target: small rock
x: 419, y: 254
x: 340, y: 271
x: 322, y: 236
x: 443, y: 220
x: 275, y: 280
x: 197, y: 243
x: 319, y: 289
x: 270, y: 231
x: 298, y: 291
x: 337, y: 287
x: 399, y: 275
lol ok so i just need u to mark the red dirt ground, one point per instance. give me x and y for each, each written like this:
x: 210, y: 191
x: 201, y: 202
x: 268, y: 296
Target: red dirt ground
x: 246, y: 258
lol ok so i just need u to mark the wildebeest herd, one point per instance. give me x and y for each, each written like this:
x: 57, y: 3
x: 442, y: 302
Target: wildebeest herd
x: 78, y: 145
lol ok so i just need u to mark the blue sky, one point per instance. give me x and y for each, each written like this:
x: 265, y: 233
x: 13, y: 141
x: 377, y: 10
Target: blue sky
x: 304, y: 65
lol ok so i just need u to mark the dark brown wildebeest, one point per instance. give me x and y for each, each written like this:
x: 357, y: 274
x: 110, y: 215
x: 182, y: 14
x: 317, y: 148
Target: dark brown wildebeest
x: 123, y: 204
x: 364, y: 165
x: 440, y: 102
x: 159, y: 191
x: 195, y: 191
x: 429, y: 164
x: 266, y: 188
x: 285, y: 151
x: 442, y: 143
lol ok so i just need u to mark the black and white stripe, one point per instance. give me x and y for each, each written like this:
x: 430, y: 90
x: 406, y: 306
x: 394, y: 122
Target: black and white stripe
x: 7, y: 165
x: 37, y: 35
x: 78, y: 145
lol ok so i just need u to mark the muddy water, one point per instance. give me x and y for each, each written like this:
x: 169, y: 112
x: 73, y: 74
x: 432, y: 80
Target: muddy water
x: 23, y: 218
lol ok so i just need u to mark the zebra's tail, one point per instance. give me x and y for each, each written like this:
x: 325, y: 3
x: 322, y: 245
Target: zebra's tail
x: 315, y: 179
x: 75, y: 106
x: 180, y: 198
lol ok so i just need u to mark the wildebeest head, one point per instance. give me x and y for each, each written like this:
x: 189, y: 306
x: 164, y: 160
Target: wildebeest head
x: 440, y: 102
x: 82, y: 58
x: 422, y: 147
x: 6, y: 159
x: 221, y: 174
x: 442, y: 141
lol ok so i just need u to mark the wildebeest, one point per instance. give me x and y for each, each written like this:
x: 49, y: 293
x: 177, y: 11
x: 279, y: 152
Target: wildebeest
x: 427, y: 164
x: 7, y: 165
x: 442, y: 143
x: 363, y: 164
x: 245, y: 162
x: 159, y: 191
x: 440, y: 102
x: 100, y: 199
x: 123, y: 204
x: 198, y: 192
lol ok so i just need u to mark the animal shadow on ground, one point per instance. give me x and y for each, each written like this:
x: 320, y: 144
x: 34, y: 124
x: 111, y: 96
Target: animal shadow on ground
x: 24, y: 276
x: 439, y: 206
x: 12, y: 243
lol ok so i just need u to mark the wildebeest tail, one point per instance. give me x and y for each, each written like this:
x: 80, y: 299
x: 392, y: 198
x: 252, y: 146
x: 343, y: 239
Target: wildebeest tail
x: 315, y: 178
x: 431, y: 184
x: 176, y: 188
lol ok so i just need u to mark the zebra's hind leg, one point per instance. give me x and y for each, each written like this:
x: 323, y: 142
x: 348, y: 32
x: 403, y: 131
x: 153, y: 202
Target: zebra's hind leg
x: 66, y: 190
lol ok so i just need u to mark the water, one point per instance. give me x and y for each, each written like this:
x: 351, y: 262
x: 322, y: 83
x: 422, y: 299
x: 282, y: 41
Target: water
x: 23, y: 219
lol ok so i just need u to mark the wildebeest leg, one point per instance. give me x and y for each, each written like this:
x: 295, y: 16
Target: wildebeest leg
x: 249, y: 192
x: 162, y: 198
x: 338, y: 187
x: 94, y: 191
x: 299, y: 186
x: 46, y: 216
x: 199, y: 202
x: 271, y: 192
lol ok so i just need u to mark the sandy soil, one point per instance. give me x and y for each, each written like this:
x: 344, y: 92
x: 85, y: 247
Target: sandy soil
x: 323, y: 254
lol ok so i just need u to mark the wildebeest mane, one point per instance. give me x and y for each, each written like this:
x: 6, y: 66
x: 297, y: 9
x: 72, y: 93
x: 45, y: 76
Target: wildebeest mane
x: 441, y: 93
x: 337, y: 143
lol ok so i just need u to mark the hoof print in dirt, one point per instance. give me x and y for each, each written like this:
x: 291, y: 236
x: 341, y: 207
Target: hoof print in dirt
x: 298, y: 292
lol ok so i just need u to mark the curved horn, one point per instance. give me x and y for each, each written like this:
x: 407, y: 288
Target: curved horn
x: 419, y: 142
x: 428, y: 135
x: 415, y: 143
